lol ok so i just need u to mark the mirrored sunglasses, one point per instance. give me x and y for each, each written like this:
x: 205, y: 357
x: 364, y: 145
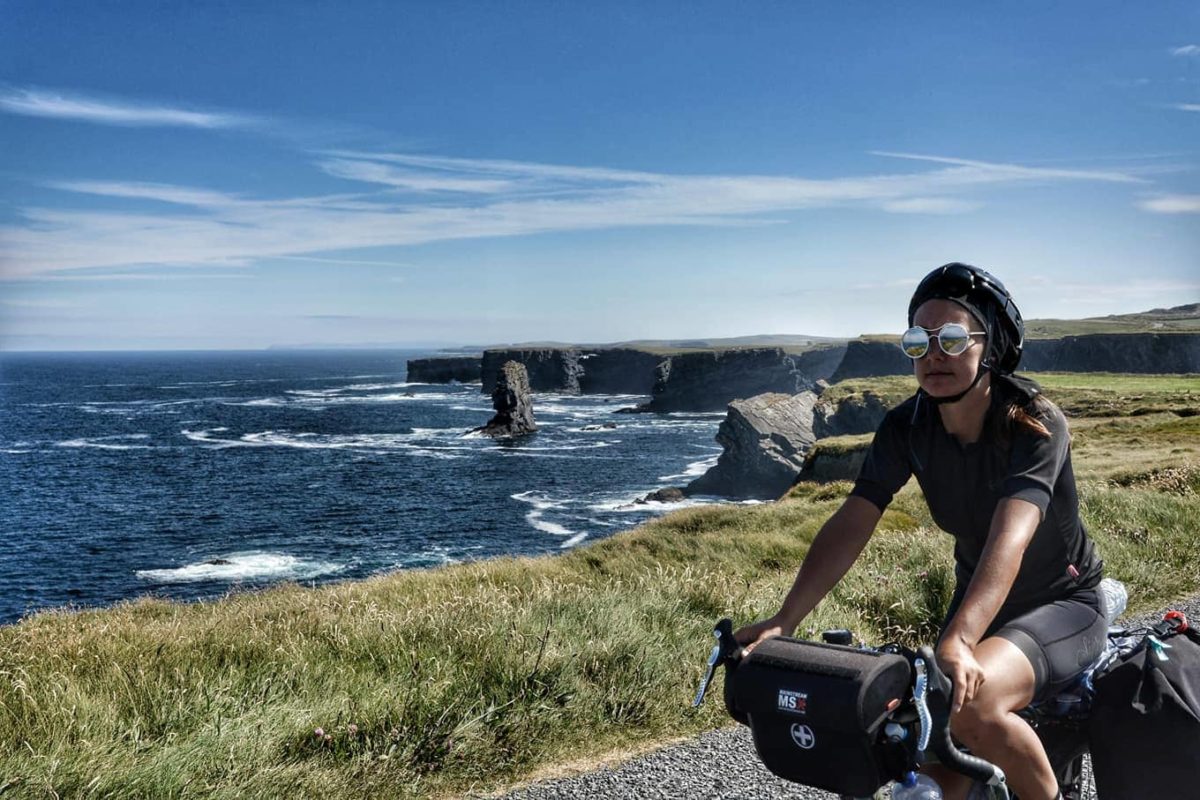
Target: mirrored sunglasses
x: 954, y: 339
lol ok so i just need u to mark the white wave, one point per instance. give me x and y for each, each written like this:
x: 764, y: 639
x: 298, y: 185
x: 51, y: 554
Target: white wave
x: 436, y: 555
x: 105, y: 442
x: 14, y: 452
x: 373, y: 387
x: 424, y: 453
x: 535, y: 499
x: 694, y: 469
x: 243, y: 566
x: 629, y: 504
x: 574, y: 540
x: 541, y: 504
x: 320, y: 441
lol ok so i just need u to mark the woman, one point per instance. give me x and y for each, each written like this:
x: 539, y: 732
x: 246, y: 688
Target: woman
x: 993, y: 460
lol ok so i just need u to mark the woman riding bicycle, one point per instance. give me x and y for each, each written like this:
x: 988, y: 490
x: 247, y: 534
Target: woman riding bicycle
x: 992, y: 457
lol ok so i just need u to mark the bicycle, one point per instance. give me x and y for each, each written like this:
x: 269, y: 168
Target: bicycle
x: 851, y: 720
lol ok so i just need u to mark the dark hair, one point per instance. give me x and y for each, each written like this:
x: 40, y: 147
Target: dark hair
x: 1022, y: 413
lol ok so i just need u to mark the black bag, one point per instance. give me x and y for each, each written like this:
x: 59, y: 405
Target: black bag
x: 815, y: 711
x: 1144, y: 731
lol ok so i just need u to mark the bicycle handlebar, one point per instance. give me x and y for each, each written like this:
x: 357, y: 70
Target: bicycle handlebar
x: 939, y: 697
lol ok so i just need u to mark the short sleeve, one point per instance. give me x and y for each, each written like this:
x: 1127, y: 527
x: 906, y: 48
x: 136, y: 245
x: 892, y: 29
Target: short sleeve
x: 886, y: 468
x: 1035, y: 462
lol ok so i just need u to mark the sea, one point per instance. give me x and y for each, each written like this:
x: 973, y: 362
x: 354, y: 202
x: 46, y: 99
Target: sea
x: 187, y: 475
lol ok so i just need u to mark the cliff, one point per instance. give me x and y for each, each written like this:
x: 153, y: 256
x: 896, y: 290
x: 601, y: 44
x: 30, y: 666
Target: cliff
x: 765, y: 440
x: 549, y: 369
x: 618, y: 370
x: 711, y: 380
x: 444, y: 369
x: 1098, y: 352
x: 1115, y: 352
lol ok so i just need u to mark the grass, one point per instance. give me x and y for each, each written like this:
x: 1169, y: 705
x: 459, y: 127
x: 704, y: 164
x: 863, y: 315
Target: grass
x: 468, y: 678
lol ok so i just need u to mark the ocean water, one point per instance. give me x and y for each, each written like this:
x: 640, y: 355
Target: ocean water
x: 187, y: 475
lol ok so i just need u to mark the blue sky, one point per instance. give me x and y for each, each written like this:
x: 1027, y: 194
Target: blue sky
x: 240, y: 175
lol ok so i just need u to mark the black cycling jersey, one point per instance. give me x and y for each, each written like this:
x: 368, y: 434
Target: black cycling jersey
x: 964, y: 483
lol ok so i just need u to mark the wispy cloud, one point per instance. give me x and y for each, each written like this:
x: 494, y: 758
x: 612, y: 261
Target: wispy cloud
x: 1187, y: 106
x: 373, y: 172
x: 499, y: 198
x: 35, y: 102
x: 930, y: 205
x: 1187, y: 51
x: 1172, y: 204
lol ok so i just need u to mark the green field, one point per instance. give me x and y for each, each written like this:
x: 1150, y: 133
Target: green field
x: 469, y: 678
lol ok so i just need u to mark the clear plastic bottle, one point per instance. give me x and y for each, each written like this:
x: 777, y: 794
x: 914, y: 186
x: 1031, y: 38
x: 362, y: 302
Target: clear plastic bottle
x: 1115, y: 598
x: 917, y: 787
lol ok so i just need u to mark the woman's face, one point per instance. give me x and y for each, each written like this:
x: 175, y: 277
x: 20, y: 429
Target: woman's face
x: 941, y: 375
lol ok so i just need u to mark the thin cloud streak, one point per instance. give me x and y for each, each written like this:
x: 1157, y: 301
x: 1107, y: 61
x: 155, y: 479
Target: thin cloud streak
x: 1187, y: 51
x: 33, y: 102
x: 1172, y: 204
x: 1187, y: 106
x: 530, y: 198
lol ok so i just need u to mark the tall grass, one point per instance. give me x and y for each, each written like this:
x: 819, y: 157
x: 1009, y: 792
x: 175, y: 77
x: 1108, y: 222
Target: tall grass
x: 467, y: 678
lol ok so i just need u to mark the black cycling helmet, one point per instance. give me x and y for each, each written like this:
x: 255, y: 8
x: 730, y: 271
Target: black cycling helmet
x: 983, y: 295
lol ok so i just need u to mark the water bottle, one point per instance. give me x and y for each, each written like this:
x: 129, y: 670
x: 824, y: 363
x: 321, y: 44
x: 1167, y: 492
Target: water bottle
x: 1115, y: 598
x: 917, y: 787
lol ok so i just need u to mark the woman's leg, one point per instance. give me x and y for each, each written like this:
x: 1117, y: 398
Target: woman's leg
x: 990, y: 727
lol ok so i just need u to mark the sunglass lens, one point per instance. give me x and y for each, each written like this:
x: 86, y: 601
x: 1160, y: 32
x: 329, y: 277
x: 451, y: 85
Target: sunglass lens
x: 954, y: 339
x: 914, y: 342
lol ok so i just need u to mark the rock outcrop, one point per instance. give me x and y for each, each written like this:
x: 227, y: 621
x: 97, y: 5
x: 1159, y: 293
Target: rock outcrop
x: 444, y: 369
x: 550, y: 369
x: 513, y: 403
x: 835, y: 459
x: 765, y: 439
x: 856, y: 413
x: 710, y: 380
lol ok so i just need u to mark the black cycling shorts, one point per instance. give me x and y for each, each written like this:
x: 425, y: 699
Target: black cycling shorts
x: 1060, y: 639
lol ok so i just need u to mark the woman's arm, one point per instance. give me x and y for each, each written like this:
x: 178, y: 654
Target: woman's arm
x: 1013, y: 525
x: 832, y: 553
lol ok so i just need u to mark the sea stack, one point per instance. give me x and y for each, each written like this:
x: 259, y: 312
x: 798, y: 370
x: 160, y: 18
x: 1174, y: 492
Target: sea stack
x: 513, y: 403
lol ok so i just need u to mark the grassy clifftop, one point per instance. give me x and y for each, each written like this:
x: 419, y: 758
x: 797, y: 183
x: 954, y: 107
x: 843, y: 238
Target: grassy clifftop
x: 470, y: 677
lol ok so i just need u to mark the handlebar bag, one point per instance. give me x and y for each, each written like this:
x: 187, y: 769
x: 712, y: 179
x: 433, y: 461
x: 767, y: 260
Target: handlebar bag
x: 815, y: 710
x: 1144, y: 730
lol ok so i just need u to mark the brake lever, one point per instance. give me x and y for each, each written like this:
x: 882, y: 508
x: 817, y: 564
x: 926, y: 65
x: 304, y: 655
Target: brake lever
x: 721, y: 652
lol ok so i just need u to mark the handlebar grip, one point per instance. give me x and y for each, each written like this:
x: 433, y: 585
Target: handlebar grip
x: 939, y: 699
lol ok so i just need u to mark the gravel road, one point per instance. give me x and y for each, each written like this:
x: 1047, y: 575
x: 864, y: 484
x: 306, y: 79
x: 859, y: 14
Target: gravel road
x: 717, y: 764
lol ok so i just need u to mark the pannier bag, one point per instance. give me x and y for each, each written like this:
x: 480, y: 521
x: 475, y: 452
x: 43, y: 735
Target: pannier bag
x: 815, y: 711
x: 1144, y: 731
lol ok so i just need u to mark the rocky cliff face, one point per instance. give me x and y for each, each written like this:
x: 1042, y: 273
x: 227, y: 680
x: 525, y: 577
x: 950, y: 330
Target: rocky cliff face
x: 618, y: 370
x: 867, y: 359
x: 710, y: 380
x: 765, y: 439
x: 1115, y: 352
x: 513, y: 403
x: 464, y: 369
x: 1097, y: 352
x: 549, y: 370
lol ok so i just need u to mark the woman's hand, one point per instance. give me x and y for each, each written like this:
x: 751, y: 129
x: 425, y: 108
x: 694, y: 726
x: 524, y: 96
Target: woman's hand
x: 751, y: 635
x: 957, y: 659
